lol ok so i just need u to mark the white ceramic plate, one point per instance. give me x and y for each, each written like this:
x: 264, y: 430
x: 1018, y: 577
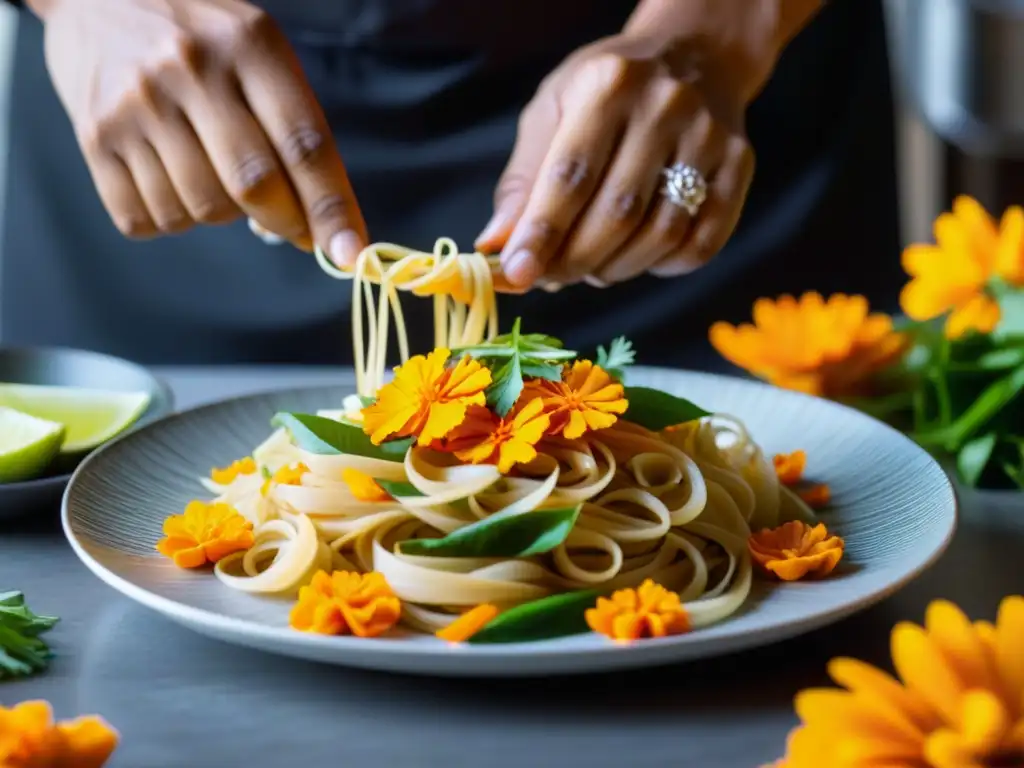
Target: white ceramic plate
x: 892, y: 504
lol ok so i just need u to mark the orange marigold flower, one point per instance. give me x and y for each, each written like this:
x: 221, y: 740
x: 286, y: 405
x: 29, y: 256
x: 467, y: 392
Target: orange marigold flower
x: 205, y: 533
x: 795, y: 549
x: 426, y: 400
x: 363, y: 486
x: 648, y: 611
x: 343, y: 602
x: 829, y: 348
x: 816, y: 496
x: 958, y: 701
x: 29, y: 738
x: 285, y: 476
x: 952, y: 275
x: 486, y: 438
x: 587, y: 398
x: 468, y: 624
x: 225, y: 475
x: 790, y: 466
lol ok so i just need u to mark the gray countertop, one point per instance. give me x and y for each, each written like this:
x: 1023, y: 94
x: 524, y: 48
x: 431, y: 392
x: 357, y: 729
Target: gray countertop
x: 183, y: 700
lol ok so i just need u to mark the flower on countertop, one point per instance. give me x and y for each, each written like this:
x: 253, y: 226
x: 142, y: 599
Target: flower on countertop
x: 226, y: 475
x: 958, y: 701
x: 587, y: 398
x: 205, y: 533
x: 29, y: 738
x: 795, y: 550
x: 650, y: 610
x: 486, y: 438
x: 363, y: 487
x: 287, y: 475
x: 344, y: 602
x: 468, y: 623
x: 789, y: 468
x: 953, y: 276
x: 426, y: 399
x: 829, y: 348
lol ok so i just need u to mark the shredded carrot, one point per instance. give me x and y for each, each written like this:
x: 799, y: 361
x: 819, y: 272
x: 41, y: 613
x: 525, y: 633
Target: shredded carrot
x: 468, y: 624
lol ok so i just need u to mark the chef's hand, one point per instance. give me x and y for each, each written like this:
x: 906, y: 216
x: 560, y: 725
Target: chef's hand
x: 198, y: 111
x: 581, y: 197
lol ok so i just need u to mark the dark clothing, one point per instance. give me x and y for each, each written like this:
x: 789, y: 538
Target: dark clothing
x: 424, y: 96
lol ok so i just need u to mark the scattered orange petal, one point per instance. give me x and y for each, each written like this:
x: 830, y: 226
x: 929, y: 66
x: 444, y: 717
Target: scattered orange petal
x: 647, y: 611
x: 829, y: 348
x: 226, y: 475
x: 29, y: 738
x: 795, y: 550
x: 427, y: 399
x: 486, y: 438
x: 285, y: 476
x: 816, y: 496
x: 205, y: 533
x: 341, y: 603
x: 363, y: 486
x: 588, y: 398
x: 468, y: 624
x: 790, y: 466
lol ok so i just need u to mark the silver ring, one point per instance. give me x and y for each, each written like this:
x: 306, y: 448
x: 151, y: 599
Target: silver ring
x: 685, y: 187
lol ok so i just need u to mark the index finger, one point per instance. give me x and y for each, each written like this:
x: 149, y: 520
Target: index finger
x: 280, y: 97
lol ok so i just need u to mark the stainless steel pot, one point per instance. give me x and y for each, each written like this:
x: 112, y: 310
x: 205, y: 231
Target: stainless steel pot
x: 961, y: 63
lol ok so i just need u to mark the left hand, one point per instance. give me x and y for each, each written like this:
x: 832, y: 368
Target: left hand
x: 581, y: 196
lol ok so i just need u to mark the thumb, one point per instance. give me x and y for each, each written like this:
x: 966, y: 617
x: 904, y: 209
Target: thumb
x: 537, y: 127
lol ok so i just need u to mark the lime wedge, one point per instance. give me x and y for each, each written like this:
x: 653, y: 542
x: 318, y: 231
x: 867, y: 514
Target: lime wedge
x: 27, y: 445
x: 91, y: 416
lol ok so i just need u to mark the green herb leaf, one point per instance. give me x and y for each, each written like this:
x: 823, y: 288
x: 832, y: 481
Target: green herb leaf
x: 619, y: 356
x: 974, y: 456
x: 22, y: 652
x: 506, y: 387
x: 366, y: 401
x: 549, y: 371
x: 529, y: 533
x: 398, y: 489
x: 549, y: 617
x: 267, y: 474
x: 992, y: 400
x: 655, y: 410
x: 328, y: 437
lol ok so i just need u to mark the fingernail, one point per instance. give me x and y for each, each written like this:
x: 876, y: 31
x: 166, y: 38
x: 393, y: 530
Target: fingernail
x: 521, y: 267
x: 495, y: 227
x: 344, y: 249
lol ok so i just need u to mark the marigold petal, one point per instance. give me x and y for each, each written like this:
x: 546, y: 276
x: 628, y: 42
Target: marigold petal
x: 844, y: 713
x: 920, y: 259
x: 984, y: 722
x: 574, y: 425
x: 945, y: 749
x: 816, y: 496
x: 925, y: 299
x: 1008, y: 641
x: 468, y: 380
x: 596, y: 420
x: 957, y: 640
x: 1009, y: 261
x: 514, y: 452
x: 979, y: 229
x: 923, y: 669
x: 909, y: 712
x: 442, y: 418
x: 89, y: 741
x: 980, y: 313
x: 363, y: 487
x: 789, y: 467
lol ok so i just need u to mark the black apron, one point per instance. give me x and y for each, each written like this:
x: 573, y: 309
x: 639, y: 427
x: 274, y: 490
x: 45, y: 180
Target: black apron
x: 423, y: 96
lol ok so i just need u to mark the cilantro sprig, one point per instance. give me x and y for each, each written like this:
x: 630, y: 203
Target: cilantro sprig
x: 619, y: 356
x: 516, y: 355
x: 22, y: 651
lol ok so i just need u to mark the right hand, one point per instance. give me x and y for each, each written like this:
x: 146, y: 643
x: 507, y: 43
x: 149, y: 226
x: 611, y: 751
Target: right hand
x: 198, y: 111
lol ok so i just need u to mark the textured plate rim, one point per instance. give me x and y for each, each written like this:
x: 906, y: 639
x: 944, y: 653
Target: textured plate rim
x: 766, y: 633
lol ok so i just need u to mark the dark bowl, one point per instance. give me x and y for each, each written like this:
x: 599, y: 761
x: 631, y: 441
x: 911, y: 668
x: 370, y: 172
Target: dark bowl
x: 71, y: 368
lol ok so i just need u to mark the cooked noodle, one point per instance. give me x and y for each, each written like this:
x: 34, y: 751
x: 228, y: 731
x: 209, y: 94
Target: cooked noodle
x: 676, y: 507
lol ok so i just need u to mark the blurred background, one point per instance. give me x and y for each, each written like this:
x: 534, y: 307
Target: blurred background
x: 959, y: 108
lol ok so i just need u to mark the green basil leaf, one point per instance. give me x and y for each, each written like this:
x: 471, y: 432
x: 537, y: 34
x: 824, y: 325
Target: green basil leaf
x: 506, y: 387
x: 973, y: 457
x: 549, y: 617
x: 398, y: 489
x: 529, y: 533
x: 549, y: 371
x: 655, y: 410
x: 328, y: 437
